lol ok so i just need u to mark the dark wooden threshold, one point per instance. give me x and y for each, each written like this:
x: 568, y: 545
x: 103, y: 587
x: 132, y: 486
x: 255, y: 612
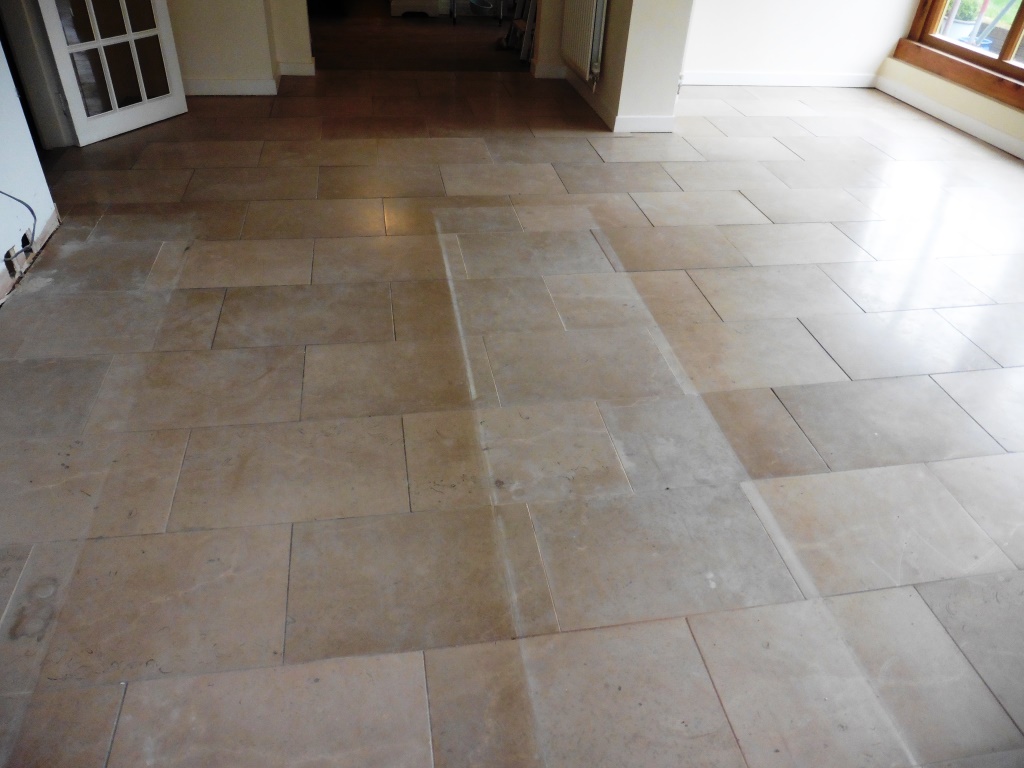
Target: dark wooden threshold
x: 997, y: 86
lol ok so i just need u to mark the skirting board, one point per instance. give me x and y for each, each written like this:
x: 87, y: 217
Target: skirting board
x: 297, y: 68
x: 781, y: 79
x: 230, y: 87
x: 957, y: 119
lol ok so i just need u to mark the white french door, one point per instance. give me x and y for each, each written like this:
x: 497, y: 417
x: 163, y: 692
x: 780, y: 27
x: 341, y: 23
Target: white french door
x: 117, y: 63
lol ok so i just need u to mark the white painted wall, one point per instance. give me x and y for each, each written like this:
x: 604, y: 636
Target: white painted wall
x: 796, y: 42
x: 20, y: 172
x: 289, y: 26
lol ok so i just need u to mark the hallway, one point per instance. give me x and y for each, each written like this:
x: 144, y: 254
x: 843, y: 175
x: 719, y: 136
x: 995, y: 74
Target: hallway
x: 413, y: 419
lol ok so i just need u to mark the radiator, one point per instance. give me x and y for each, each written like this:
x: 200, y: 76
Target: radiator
x: 583, y: 37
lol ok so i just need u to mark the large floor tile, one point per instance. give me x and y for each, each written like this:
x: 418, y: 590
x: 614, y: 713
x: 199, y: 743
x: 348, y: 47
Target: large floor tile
x: 350, y: 713
x: 874, y: 659
x: 763, y: 434
x: 915, y: 239
x: 409, y: 582
x: 822, y: 174
x: 48, y: 398
x: 200, y: 154
x: 641, y: 148
x: 750, y: 355
x: 297, y: 219
x: 396, y: 377
x: 997, y: 329
x: 768, y: 244
x: 515, y: 149
x: 219, y: 264
x: 305, y: 314
x: 170, y: 221
x: 893, y: 285
x: 530, y: 254
x: 615, y: 177
x: 113, y: 186
x: 741, y: 148
x: 875, y: 528
x: 608, y: 210
x: 412, y: 152
x: 994, y: 399
x: 449, y: 309
x: 503, y: 179
x: 723, y: 175
x: 171, y: 390
x: 319, y: 153
x: 674, y: 209
x: 636, y: 249
x: 243, y: 476
x: 380, y: 181
x: 68, y: 729
x: 877, y: 423
x: 439, y: 215
x: 175, y: 604
x: 578, y: 365
x: 1001, y: 278
x: 991, y: 490
x: 604, y: 300
x: 383, y: 259
x: 809, y: 205
x: 506, y: 455
x: 890, y: 344
x: 213, y: 184
x: 760, y: 126
x: 657, y: 555
x: 75, y: 267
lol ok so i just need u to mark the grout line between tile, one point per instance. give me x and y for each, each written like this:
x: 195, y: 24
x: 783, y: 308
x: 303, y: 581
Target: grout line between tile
x: 117, y: 722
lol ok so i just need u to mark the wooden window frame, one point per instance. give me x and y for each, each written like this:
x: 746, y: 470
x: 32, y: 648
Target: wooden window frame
x: 996, y: 76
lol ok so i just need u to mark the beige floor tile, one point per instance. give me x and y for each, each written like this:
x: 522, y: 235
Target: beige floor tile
x: 233, y: 617
x: 775, y: 291
x: 385, y: 259
x: 381, y: 181
x: 890, y: 344
x: 694, y: 106
x: 93, y: 486
x: 48, y: 398
x: 983, y: 615
x: 990, y: 489
x: 762, y: 126
x: 259, y: 129
x: 609, y: 301
x: 657, y: 555
x: 672, y: 209
x: 413, y: 152
x: 615, y: 177
x: 994, y: 399
x: 170, y: 221
x: 409, y: 582
x: 529, y: 149
x: 741, y: 149
x: 216, y: 184
x: 171, y: 390
x: 439, y: 215
x: 350, y: 105
x: 365, y: 713
x: 594, y: 211
x: 763, y: 434
x: 758, y: 662
x: 296, y: 219
x: 893, y: 285
x: 230, y: 106
x: 645, y: 148
x: 877, y: 423
x: 694, y: 126
x: 305, y: 314
x: 672, y: 298
x: 816, y: 174
x: 898, y: 240
x: 245, y: 476
x: 772, y: 244
x: 374, y: 127
x: 449, y: 309
x: 504, y: 179
x: 12, y: 711
x: 723, y: 175
x: 791, y: 206
x: 319, y: 153
x: 750, y: 355
x: 531, y: 254
x: 999, y: 330
x: 200, y: 154
x: 875, y: 528
x: 347, y: 380
x: 69, y: 729
x: 851, y: 148
x: 1000, y: 277
x: 507, y: 455
x: 631, y: 696
x: 604, y: 364
x: 214, y: 263
x: 12, y: 563
x: 77, y: 266
x: 674, y: 444
x: 662, y: 248
x: 152, y: 186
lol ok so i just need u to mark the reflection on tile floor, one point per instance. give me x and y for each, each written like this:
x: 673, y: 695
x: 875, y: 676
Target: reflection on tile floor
x: 382, y: 424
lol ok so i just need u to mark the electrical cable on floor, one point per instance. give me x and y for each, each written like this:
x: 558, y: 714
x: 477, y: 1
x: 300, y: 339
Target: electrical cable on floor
x: 12, y: 267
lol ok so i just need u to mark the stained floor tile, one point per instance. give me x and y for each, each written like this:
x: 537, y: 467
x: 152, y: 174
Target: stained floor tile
x: 529, y: 254
x: 373, y: 259
x: 504, y: 179
x: 439, y: 215
x: 252, y: 184
x: 297, y: 219
x: 380, y: 181
x: 214, y: 263
x: 170, y: 221
x: 150, y: 186
x: 598, y: 210
x: 48, y: 398
x: 200, y: 154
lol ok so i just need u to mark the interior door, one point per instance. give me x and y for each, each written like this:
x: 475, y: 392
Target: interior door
x: 117, y: 63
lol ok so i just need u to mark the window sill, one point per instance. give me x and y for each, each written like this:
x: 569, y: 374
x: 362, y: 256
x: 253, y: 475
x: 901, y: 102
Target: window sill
x: 992, y: 84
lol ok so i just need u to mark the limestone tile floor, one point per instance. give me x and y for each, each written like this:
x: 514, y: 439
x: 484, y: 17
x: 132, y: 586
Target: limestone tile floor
x: 414, y: 419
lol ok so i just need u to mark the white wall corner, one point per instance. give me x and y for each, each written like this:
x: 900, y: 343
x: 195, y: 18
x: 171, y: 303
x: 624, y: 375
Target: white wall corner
x: 954, y: 117
x: 303, y: 68
x: 230, y: 87
x: 644, y: 124
x: 781, y: 79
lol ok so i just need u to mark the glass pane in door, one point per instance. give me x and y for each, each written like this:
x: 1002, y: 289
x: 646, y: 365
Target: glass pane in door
x: 89, y: 72
x: 140, y: 14
x: 109, y: 18
x: 74, y: 18
x: 151, y: 62
x: 121, y: 66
